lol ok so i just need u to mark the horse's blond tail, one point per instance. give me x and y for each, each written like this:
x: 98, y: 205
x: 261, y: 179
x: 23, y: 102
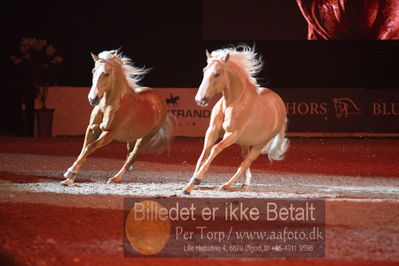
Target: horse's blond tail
x: 277, y: 146
x: 160, y: 142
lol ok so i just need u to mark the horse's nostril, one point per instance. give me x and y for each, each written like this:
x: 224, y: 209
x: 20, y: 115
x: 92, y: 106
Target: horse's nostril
x: 94, y: 101
x: 203, y: 102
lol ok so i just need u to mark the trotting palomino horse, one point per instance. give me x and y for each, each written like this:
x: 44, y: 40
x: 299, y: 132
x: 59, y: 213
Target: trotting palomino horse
x: 250, y: 116
x: 123, y: 112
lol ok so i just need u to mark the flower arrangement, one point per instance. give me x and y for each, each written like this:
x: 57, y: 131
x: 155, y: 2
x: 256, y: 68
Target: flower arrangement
x: 38, y: 59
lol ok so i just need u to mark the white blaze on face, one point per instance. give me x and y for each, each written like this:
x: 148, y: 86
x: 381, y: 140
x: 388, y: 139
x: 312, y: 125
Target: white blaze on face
x: 202, y: 94
x: 94, y: 93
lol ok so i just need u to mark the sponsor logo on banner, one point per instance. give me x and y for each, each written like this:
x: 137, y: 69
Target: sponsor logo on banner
x: 172, y: 100
x: 306, y: 108
x: 344, y: 107
x: 342, y: 111
x: 191, y: 120
x: 386, y: 109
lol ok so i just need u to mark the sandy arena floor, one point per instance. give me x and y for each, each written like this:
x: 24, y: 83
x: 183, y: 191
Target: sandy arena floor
x: 44, y: 223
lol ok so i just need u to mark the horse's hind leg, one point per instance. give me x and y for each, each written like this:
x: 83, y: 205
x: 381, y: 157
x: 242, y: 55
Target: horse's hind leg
x: 104, y: 138
x: 244, y: 166
x: 247, y: 174
x: 138, y: 148
x: 130, y: 147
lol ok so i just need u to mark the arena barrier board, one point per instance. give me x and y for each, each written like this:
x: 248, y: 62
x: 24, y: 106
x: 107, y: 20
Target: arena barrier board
x: 311, y: 112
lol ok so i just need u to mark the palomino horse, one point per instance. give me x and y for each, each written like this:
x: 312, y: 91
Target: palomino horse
x: 123, y: 112
x: 252, y: 117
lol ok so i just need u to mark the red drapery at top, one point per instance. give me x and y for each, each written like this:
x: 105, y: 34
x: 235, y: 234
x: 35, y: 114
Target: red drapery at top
x: 351, y: 19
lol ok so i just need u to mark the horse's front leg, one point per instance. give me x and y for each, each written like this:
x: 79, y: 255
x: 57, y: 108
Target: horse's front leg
x: 229, y: 138
x: 109, y: 115
x: 211, y: 136
x: 104, y: 138
x: 93, y: 131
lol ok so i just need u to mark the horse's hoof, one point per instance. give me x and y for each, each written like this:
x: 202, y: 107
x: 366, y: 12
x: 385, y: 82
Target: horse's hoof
x: 67, y: 182
x: 197, y: 181
x: 224, y: 188
x: 113, y: 180
x: 69, y: 175
x: 130, y: 168
x: 183, y: 192
x: 245, y: 187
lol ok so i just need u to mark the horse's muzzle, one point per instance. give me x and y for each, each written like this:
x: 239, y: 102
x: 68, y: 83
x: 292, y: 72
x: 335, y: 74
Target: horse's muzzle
x: 94, y: 101
x: 203, y: 102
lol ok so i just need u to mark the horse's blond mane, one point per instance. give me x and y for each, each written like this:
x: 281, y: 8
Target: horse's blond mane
x: 243, y: 56
x: 133, y: 74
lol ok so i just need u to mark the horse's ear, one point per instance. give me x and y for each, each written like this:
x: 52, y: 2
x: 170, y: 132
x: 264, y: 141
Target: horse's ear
x: 226, y: 58
x: 95, y: 57
x: 208, y: 54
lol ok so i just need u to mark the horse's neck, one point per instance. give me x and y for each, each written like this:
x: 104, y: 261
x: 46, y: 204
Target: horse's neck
x: 119, y: 89
x: 236, y: 86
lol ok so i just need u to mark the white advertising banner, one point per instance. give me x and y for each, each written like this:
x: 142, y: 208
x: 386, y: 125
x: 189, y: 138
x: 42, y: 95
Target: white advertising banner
x: 72, y: 110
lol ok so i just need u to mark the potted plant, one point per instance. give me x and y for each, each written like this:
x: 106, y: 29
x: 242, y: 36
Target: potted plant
x: 38, y: 61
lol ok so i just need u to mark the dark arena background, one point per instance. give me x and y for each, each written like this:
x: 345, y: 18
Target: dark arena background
x: 333, y: 62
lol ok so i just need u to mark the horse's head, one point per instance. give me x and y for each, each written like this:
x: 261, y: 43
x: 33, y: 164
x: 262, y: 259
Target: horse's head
x: 115, y: 72
x: 214, y: 79
x: 102, y: 79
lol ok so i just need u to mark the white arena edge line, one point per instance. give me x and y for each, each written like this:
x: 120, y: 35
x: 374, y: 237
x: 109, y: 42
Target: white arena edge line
x: 341, y: 134
x: 119, y: 190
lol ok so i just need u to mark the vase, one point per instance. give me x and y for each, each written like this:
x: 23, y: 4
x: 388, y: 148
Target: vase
x: 44, y: 118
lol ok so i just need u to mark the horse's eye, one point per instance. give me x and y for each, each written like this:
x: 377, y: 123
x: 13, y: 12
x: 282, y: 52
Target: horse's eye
x: 217, y: 74
x: 106, y: 74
